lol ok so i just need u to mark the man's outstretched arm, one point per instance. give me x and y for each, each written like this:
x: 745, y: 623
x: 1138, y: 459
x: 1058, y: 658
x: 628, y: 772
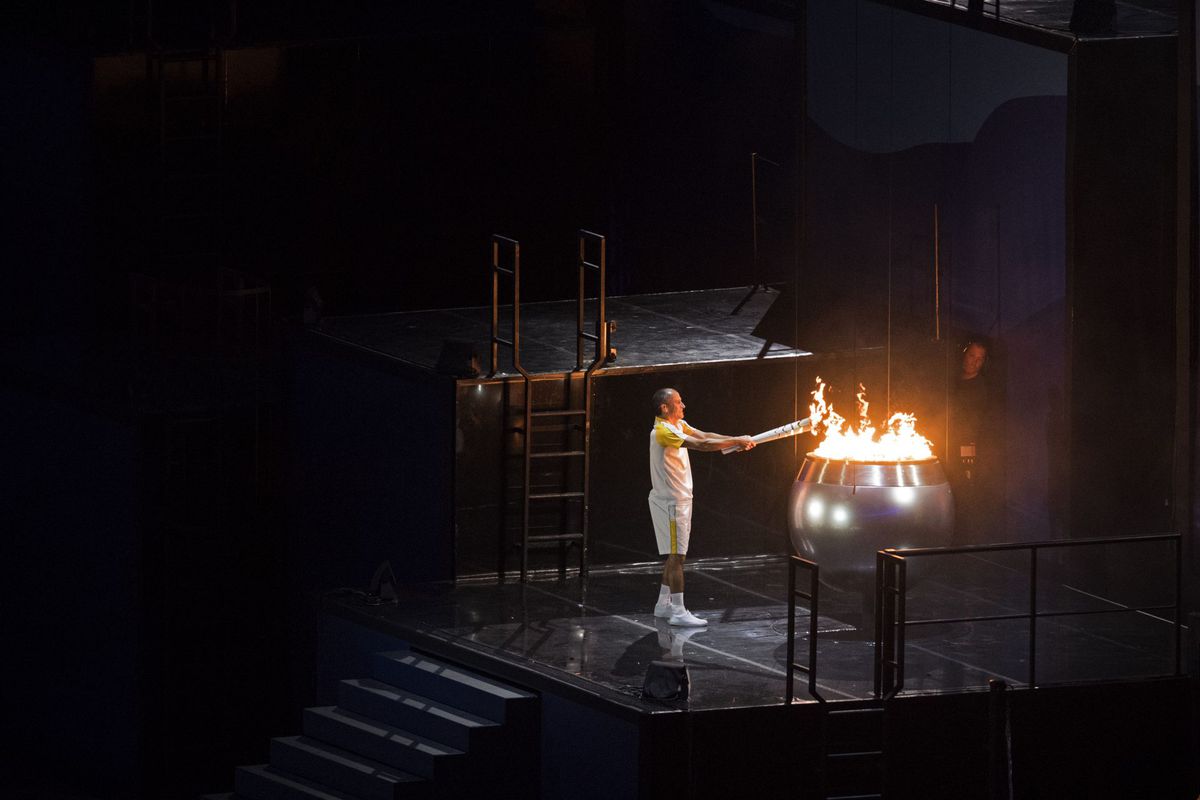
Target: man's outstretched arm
x: 701, y: 440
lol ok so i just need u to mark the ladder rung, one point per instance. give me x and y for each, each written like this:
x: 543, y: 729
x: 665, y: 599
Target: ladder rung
x: 856, y: 754
x: 571, y: 412
x: 554, y: 495
x: 873, y: 796
x: 557, y: 454
x: 841, y: 711
x: 555, y: 537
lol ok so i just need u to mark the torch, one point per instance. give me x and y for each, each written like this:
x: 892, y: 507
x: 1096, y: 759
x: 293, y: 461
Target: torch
x: 783, y: 431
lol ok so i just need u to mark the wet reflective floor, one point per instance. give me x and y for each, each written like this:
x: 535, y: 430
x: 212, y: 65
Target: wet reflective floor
x: 600, y: 634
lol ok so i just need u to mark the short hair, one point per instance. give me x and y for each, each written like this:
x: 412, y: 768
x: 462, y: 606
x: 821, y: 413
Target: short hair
x: 977, y: 341
x: 661, y: 398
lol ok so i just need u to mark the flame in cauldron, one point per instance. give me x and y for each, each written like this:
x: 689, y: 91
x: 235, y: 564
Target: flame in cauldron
x: 899, y: 440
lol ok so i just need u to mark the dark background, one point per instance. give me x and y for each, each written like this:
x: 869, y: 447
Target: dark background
x: 163, y: 585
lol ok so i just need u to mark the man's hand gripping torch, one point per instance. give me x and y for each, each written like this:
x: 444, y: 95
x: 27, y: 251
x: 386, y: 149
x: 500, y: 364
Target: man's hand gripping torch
x: 782, y: 432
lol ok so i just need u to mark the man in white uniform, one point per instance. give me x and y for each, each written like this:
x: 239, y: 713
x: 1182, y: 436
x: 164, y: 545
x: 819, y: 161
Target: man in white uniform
x: 671, y: 496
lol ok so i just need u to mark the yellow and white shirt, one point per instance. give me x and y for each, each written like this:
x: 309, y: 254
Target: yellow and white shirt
x: 670, y: 469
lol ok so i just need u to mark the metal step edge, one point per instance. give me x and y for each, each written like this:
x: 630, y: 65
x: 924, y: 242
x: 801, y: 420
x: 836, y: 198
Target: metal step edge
x: 434, y: 707
x: 341, y: 770
x: 488, y: 690
x: 294, y: 783
x: 380, y: 741
x: 455, y: 673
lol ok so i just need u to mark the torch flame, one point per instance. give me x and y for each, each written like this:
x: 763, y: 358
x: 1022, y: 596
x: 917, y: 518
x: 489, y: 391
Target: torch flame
x: 899, y: 440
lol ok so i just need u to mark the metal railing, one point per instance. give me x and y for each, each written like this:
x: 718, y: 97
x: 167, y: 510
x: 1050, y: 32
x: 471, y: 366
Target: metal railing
x: 813, y: 597
x: 600, y: 337
x: 513, y: 248
x: 891, y: 592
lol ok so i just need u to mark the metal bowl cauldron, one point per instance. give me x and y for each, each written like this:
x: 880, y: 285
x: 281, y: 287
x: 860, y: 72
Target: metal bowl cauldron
x: 842, y: 512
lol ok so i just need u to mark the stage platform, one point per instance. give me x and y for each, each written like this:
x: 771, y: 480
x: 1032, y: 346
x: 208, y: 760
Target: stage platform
x: 398, y: 462
x: 1108, y: 718
x: 596, y: 637
x: 652, y: 330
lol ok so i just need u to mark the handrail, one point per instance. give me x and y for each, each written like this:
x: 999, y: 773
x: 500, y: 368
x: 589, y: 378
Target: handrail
x: 514, y: 246
x: 987, y: 548
x: 813, y: 597
x: 600, y: 337
x: 891, y: 589
x: 890, y: 600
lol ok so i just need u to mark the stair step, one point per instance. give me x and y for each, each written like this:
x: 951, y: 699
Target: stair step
x: 566, y: 412
x: 453, y: 686
x: 554, y: 495
x: 338, y: 769
x: 264, y: 782
x: 412, y: 712
x: 379, y: 741
x: 559, y: 454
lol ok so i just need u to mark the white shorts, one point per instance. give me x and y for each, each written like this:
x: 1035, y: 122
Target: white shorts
x: 672, y: 526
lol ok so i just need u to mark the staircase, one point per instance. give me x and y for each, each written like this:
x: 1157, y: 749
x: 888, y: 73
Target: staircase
x: 416, y: 728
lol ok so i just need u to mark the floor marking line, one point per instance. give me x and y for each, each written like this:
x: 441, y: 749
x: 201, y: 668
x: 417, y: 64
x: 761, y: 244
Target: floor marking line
x: 1121, y: 605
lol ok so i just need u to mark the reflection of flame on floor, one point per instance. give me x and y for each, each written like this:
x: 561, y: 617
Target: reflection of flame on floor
x: 898, y: 441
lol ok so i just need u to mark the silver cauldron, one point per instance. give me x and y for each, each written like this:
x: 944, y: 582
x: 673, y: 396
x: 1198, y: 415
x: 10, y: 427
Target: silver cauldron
x: 842, y: 512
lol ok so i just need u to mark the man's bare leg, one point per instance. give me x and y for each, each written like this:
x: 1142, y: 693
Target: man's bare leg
x: 672, y: 574
x: 673, y: 577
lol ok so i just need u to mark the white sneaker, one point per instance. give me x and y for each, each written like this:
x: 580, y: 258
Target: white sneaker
x: 663, y: 610
x: 687, y: 619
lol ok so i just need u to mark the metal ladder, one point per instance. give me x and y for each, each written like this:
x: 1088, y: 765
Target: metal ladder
x: 569, y: 423
x: 852, y: 756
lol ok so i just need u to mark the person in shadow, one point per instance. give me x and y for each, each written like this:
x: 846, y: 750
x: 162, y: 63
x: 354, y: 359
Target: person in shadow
x: 974, y: 447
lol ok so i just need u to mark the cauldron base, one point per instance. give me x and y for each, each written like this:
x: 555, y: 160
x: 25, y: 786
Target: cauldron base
x: 842, y: 513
